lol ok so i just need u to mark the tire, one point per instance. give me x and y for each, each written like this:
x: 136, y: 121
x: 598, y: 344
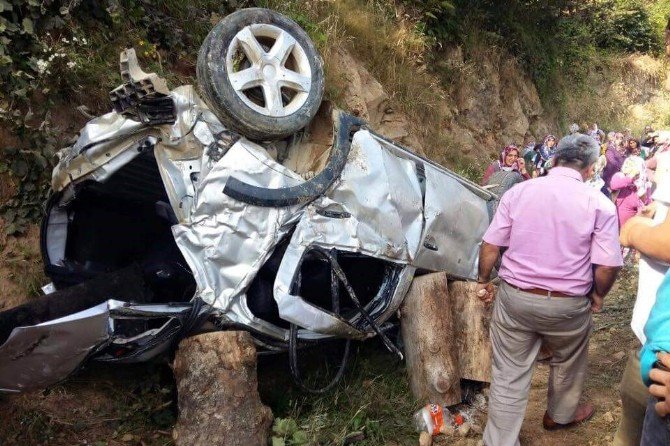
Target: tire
x: 502, y: 182
x: 281, y: 85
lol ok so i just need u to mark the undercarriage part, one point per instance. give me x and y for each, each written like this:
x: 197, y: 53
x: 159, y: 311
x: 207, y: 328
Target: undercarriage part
x: 143, y: 97
x: 222, y: 142
x: 345, y: 126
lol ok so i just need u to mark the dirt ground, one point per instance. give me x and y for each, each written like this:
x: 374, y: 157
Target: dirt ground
x: 136, y: 405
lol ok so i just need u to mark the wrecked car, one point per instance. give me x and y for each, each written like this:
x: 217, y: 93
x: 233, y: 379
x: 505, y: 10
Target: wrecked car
x: 184, y: 206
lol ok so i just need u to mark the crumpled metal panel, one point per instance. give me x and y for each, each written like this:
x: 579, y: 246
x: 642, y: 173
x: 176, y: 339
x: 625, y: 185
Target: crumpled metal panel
x: 44, y: 354
x: 381, y: 197
x: 226, y: 241
x: 41, y: 355
x: 375, y: 209
x: 455, y: 214
x: 456, y: 220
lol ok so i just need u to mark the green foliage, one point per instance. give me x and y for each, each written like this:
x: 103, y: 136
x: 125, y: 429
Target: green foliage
x: 623, y: 25
x: 555, y: 40
x: 285, y: 432
x: 659, y: 17
x: 56, y: 51
x: 438, y: 18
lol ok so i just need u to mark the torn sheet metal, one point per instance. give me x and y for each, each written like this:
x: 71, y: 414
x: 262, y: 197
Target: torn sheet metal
x: 226, y: 241
x: 455, y: 214
x: 374, y: 209
x: 41, y: 355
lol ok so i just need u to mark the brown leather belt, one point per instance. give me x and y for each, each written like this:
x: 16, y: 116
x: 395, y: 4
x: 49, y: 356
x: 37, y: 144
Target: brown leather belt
x: 541, y: 292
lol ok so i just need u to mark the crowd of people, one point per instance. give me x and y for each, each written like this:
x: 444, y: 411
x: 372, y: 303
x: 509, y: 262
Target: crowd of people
x: 608, y: 193
x: 623, y: 172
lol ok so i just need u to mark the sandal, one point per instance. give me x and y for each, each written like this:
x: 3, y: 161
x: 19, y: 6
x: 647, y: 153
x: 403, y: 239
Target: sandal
x: 584, y: 413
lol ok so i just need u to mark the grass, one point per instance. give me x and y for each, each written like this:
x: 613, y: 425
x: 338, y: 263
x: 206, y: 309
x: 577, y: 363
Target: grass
x: 373, y: 398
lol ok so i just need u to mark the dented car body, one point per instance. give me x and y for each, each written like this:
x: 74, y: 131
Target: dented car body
x: 198, y: 223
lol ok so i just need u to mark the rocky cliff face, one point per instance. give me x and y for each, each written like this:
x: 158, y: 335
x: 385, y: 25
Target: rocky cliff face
x: 489, y: 101
x: 493, y: 103
x: 484, y: 106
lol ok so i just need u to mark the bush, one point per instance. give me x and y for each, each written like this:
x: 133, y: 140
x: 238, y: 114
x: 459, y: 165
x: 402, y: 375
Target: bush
x: 555, y: 40
x: 624, y: 25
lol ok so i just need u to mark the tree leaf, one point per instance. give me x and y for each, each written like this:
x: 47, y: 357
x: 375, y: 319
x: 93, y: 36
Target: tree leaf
x: 300, y: 438
x: 5, y: 6
x: 28, y: 26
x: 278, y: 441
x: 11, y: 229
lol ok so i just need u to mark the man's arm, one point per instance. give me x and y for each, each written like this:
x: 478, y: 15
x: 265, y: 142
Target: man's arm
x: 653, y: 241
x: 603, y: 279
x: 488, y: 256
x: 496, y: 236
x: 605, y: 253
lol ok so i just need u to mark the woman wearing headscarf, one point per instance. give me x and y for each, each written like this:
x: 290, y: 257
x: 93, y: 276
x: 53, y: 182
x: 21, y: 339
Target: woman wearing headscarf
x: 544, y: 154
x: 632, y: 185
x: 615, y: 154
x: 509, y: 161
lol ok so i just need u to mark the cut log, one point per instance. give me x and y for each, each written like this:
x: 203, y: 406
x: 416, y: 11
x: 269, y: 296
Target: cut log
x: 428, y: 333
x: 217, y: 391
x: 472, y: 318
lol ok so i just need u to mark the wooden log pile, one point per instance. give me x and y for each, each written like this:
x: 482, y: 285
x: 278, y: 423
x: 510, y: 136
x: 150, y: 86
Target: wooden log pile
x: 445, y: 330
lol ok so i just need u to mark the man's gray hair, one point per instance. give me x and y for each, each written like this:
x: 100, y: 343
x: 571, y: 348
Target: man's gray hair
x: 577, y: 151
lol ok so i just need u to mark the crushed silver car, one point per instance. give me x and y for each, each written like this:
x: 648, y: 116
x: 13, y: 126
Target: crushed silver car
x: 176, y: 209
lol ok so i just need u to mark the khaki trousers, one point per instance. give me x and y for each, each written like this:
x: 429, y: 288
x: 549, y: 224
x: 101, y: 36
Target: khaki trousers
x: 634, y: 395
x: 520, y: 322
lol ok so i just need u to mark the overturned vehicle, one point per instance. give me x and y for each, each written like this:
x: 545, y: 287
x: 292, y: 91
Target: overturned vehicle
x: 183, y: 208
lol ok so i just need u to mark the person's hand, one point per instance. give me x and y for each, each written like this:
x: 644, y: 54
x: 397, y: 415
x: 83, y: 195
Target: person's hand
x: 626, y: 230
x: 661, y: 387
x: 522, y: 166
x: 649, y: 210
x: 596, y: 302
x: 486, y: 292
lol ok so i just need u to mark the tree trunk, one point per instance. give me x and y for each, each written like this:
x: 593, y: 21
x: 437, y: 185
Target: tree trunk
x: 667, y: 38
x: 217, y: 391
x: 472, y: 318
x: 428, y: 333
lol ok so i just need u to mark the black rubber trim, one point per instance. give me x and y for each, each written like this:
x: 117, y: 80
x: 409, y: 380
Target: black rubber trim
x: 345, y: 126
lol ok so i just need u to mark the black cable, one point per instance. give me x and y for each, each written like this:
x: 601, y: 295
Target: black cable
x: 343, y: 278
x: 295, y: 372
x: 337, y: 274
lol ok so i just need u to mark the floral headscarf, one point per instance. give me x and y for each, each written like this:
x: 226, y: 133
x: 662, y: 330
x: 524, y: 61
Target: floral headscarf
x: 506, y: 151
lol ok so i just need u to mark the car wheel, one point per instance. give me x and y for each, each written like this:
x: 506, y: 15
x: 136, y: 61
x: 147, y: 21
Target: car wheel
x: 501, y: 182
x: 260, y: 74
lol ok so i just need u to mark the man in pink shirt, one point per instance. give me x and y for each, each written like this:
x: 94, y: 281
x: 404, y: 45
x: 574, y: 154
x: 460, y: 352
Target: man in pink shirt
x: 561, y: 255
